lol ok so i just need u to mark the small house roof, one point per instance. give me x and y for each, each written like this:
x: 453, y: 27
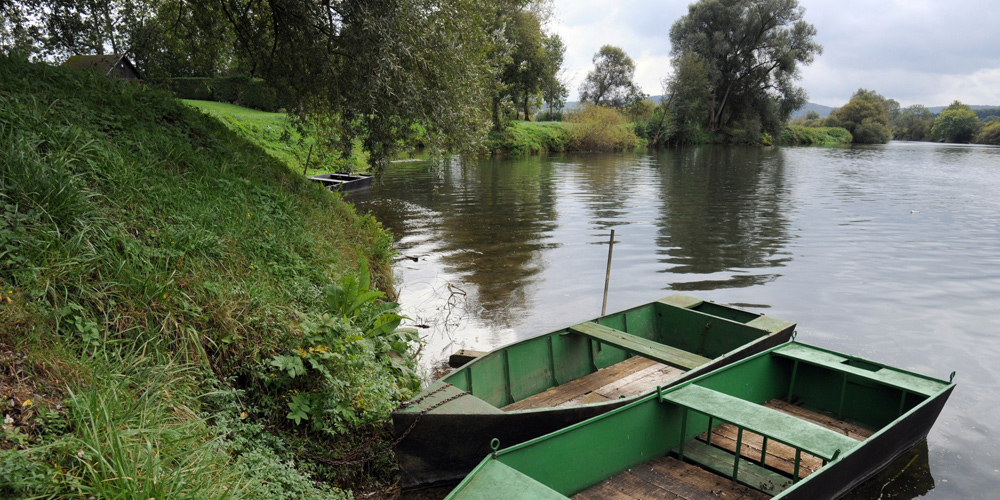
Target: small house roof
x: 102, y: 63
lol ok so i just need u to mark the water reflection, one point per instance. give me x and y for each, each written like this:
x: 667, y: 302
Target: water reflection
x: 906, y: 477
x: 724, y: 212
x: 485, y: 223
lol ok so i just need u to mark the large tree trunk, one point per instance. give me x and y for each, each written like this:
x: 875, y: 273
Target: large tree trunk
x: 527, y: 109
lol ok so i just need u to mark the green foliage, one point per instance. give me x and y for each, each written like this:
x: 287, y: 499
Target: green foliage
x: 866, y: 117
x: 140, y: 240
x: 611, y: 82
x: 690, y: 100
x: 345, y: 371
x: 913, y: 124
x: 134, y: 435
x: 253, y: 93
x: 524, y: 138
x: 289, y: 138
x: 598, y: 128
x: 751, y: 50
x: 957, y: 123
x: 988, y: 134
x: 814, y: 136
x: 554, y: 91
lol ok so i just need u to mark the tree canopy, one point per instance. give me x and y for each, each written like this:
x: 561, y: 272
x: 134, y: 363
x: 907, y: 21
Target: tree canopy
x: 957, y: 123
x: 865, y: 116
x: 611, y: 83
x: 372, y: 67
x: 751, y: 50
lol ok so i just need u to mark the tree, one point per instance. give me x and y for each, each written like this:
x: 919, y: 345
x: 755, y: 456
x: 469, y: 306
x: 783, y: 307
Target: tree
x: 690, y: 100
x: 554, y: 91
x: 865, y: 116
x: 957, y: 123
x: 377, y: 66
x: 610, y: 82
x: 525, y: 71
x: 914, y: 123
x: 752, y: 50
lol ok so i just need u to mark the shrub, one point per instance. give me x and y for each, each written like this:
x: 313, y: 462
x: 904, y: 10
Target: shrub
x: 524, y: 138
x: 800, y: 135
x: 988, y: 134
x: 597, y: 128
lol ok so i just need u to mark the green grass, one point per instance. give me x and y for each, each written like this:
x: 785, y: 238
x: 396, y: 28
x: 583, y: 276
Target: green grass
x: 525, y: 138
x: 152, y: 263
x: 284, y: 137
x: 817, y: 136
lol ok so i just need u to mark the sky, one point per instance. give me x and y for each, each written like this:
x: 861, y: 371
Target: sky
x: 929, y: 52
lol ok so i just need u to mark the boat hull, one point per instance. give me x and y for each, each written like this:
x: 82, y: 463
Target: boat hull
x: 343, y: 182
x: 879, y: 450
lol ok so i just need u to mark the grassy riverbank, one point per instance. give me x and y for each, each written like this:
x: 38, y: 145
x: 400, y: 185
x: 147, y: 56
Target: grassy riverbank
x: 181, y: 314
x: 525, y: 138
x: 794, y: 135
x: 284, y: 137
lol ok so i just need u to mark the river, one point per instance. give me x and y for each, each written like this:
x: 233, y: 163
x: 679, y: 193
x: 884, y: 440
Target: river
x: 888, y: 252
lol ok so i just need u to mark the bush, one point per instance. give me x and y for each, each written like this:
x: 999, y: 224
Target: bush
x: 524, y: 138
x: 825, y: 136
x: 597, y: 128
x: 989, y: 134
x: 545, y: 116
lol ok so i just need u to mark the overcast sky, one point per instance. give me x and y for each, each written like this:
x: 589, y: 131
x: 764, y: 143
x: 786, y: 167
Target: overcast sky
x: 928, y: 52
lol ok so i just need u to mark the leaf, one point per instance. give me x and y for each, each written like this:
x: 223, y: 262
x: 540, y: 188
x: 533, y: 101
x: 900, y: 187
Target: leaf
x: 289, y: 364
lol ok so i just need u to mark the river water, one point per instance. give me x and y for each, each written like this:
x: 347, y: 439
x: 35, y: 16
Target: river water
x: 889, y: 252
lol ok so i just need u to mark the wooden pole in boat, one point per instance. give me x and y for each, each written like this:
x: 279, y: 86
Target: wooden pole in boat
x: 607, y: 275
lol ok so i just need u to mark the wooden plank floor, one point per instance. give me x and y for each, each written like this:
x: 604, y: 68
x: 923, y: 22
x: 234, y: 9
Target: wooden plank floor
x: 628, y: 378
x: 667, y: 478
x: 780, y: 456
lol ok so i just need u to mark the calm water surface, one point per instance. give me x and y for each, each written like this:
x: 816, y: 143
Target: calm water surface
x: 891, y: 253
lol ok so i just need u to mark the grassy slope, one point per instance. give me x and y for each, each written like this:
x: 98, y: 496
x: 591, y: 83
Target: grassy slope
x: 282, y: 136
x: 147, y: 253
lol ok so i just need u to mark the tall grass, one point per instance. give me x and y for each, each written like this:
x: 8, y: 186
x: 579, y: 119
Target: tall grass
x: 147, y: 250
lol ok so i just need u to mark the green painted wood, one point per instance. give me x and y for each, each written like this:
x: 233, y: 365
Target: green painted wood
x: 883, y: 375
x: 496, y: 480
x: 682, y: 301
x: 640, y: 346
x: 771, y: 324
x: 721, y: 462
x: 773, y: 424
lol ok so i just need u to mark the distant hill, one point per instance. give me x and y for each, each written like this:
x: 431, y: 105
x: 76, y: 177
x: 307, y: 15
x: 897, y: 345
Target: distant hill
x: 823, y: 111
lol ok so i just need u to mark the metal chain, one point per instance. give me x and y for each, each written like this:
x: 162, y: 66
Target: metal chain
x: 349, y: 458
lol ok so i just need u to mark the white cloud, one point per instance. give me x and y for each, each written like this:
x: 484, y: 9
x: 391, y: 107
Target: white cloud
x: 915, y: 51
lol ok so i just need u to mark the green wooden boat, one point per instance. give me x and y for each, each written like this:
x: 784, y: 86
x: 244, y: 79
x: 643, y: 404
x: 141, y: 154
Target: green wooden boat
x: 809, y: 423
x: 536, y: 386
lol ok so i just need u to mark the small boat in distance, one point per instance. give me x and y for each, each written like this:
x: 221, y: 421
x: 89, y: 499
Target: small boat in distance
x: 343, y: 181
x: 794, y: 422
x: 538, y: 385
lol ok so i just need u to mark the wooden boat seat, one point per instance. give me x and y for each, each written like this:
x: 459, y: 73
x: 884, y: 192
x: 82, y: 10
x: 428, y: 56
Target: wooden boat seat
x: 773, y: 424
x: 637, y: 345
x: 883, y: 375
